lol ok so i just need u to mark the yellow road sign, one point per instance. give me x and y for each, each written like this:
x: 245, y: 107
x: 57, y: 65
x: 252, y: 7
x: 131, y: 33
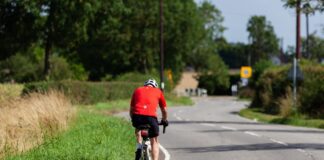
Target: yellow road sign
x: 246, y: 72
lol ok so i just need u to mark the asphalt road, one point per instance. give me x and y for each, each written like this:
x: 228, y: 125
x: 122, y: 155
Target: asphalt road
x: 212, y: 130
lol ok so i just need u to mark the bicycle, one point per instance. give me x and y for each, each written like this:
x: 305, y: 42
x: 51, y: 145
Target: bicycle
x: 146, y: 147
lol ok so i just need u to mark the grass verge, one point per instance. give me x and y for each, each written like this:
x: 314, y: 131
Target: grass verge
x: 275, y: 119
x: 92, y: 136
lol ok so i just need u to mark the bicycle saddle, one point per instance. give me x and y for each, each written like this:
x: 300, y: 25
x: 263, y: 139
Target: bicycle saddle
x: 144, y: 126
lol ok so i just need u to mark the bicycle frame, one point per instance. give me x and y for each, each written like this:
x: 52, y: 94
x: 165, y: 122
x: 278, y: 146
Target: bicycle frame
x: 146, y: 145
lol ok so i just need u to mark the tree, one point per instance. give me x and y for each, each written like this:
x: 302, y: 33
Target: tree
x: 316, y: 5
x: 212, y: 19
x: 63, y: 24
x: 263, y: 41
x: 316, y: 47
x: 17, y: 29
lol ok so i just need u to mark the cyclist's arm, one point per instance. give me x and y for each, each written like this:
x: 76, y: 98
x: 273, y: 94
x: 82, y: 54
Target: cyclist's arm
x: 163, y: 107
x: 164, y: 113
x: 132, y: 103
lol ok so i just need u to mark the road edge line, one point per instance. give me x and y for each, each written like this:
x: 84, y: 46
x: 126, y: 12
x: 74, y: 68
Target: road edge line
x: 165, y: 152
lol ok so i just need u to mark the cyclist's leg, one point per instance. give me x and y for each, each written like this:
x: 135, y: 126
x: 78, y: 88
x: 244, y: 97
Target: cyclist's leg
x: 139, y: 138
x: 155, y: 148
x: 154, y: 133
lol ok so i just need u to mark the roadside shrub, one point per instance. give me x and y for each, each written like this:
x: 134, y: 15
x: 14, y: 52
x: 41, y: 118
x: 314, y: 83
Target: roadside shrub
x: 273, y: 91
x: 311, y: 92
x: 258, y: 69
x: 19, y: 68
x: 86, y: 92
x: 141, y: 78
x: 269, y: 88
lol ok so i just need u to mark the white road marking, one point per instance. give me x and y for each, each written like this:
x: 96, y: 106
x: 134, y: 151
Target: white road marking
x: 276, y: 141
x: 229, y: 128
x: 208, y: 124
x: 252, y: 134
x: 165, y: 152
x: 301, y: 150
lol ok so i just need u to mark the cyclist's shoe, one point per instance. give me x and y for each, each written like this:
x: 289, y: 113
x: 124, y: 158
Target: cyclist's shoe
x: 138, y: 154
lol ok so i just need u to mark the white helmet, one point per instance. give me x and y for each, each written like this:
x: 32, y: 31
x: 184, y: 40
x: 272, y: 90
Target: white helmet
x: 151, y: 82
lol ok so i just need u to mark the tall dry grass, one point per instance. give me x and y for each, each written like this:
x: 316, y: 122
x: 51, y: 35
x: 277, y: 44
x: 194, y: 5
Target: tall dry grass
x: 9, y: 92
x: 24, y: 122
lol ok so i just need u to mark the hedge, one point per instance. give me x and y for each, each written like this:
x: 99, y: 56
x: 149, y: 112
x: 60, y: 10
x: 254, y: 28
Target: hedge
x: 81, y: 92
x: 273, y: 86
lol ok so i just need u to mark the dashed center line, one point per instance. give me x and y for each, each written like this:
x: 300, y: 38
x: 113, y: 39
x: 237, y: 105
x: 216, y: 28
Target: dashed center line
x: 252, y: 134
x: 208, y: 124
x: 229, y: 128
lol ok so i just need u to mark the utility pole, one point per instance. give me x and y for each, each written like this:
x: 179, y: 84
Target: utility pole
x: 307, y: 35
x: 298, y: 40
x: 161, y: 47
x: 298, y: 43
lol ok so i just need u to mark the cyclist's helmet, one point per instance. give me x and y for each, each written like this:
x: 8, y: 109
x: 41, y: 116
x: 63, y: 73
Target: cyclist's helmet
x: 151, y: 82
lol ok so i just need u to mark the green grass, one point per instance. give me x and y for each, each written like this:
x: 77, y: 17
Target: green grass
x: 123, y: 104
x: 173, y: 100
x: 293, y: 120
x: 91, y: 137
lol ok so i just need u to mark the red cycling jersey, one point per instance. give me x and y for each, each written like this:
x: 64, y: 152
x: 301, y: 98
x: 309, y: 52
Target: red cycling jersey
x: 145, y: 101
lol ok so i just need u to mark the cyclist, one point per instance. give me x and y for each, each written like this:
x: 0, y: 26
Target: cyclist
x: 143, y: 106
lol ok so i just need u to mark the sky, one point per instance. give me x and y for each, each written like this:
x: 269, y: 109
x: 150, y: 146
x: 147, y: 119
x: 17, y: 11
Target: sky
x: 237, y: 13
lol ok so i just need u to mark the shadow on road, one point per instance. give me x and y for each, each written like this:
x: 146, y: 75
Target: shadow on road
x: 266, y: 130
x: 252, y: 147
x: 215, y: 122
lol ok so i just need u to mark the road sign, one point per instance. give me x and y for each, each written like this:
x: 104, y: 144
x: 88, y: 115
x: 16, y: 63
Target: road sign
x: 246, y: 72
x: 298, y: 73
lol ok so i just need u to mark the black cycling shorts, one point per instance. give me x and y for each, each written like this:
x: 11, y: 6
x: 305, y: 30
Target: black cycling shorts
x: 138, y: 120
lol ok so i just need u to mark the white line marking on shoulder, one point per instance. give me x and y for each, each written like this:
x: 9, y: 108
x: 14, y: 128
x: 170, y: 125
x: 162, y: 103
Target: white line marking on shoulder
x: 165, y: 152
x: 276, y: 141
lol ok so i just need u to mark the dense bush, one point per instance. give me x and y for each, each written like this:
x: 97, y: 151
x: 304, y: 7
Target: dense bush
x: 141, y: 78
x: 311, y: 93
x: 28, y: 68
x: 86, y: 92
x: 215, y: 77
x: 19, y: 68
x: 273, y: 90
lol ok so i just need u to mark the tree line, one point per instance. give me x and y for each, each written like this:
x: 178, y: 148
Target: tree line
x: 94, y: 39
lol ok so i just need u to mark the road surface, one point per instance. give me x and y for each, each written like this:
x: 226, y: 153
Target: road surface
x: 212, y: 130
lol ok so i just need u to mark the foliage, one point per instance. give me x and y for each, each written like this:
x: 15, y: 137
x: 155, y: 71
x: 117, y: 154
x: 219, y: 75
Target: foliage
x: 306, y: 5
x: 273, y: 89
x: 26, y: 68
x: 19, y: 68
x: 110, y: 37
x: 86, y: 92
x: 311, y: 92
x: 315, y: 48
x: 258, y: 70
x: 271, y: 86
x: 215, y: 79
x: 264, y: 42
x: 16, y: 31
x: 234, y: 54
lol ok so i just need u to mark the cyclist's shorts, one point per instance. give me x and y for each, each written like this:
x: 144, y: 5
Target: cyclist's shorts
x: 138, y: 120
